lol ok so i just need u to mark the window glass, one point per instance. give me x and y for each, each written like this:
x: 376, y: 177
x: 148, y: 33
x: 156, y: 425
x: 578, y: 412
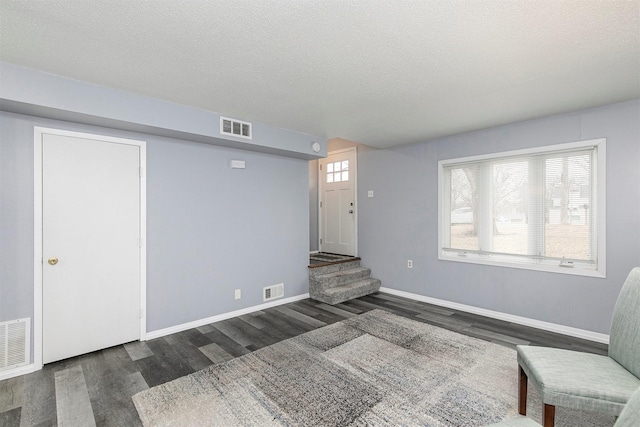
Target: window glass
x: 329, y: 178
x: 533, y: 208
x: 338, y: 171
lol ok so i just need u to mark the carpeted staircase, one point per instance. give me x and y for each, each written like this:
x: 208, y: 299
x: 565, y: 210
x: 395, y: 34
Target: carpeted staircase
x: 339, y: 281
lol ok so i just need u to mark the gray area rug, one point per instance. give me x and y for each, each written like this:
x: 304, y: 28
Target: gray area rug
x: 376, y: 369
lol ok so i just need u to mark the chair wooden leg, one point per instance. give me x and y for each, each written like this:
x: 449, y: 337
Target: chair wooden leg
x: 522, y: 392
x: 548, y: 415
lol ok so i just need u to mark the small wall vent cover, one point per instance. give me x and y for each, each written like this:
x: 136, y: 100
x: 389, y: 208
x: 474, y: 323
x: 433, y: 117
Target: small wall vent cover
x: 235, y: 127
x: 273, y: 292
x: 14, y: 343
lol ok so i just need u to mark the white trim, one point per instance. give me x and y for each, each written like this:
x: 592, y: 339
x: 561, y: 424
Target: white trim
x: 525, y: 321
x: 568, y: 146
x: 355, y: 200
x: 143, y: 240
x: 601, y: 171
x: 201, y: 322
x: 495, y: 262
x: 342, y: 150
x: 37, y: 248
x: 16, y: 372
x: 38, y: 133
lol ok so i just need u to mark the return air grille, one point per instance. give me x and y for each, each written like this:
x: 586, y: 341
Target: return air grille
x: 235, y: 127
x: 273, y: 292
x: 14, y: 343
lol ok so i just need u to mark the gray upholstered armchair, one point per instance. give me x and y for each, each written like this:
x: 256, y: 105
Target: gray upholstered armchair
x: 587, y: 381
x: 630, y: 416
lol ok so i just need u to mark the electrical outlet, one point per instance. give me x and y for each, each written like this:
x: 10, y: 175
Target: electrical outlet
x: 409, y: 263
x: 238, y: 293
x: 370, y: 193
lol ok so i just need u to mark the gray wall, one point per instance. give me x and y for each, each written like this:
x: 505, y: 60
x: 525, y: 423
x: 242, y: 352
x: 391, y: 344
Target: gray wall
x: 210, y: 229
x: 16, y: 220
x: 400, y: 222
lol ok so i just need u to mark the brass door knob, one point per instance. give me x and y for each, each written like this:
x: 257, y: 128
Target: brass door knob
x: 53, y: 261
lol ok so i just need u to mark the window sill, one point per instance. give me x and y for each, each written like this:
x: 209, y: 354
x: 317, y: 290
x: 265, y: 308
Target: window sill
x: 545, y: 267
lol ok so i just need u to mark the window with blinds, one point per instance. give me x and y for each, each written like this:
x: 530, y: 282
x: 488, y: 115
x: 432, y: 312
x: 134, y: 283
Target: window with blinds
x: 541, y: 208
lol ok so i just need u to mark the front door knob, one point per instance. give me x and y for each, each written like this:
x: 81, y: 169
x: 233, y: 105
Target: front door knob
x: 53, y: 261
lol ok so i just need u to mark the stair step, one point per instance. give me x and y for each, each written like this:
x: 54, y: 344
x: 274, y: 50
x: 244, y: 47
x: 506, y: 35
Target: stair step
x: 338, y: 278
x: 345, y: 292
x: 332, y: 268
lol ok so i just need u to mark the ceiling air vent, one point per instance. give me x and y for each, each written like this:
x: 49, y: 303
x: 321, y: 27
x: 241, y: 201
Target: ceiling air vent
x: 235, y: 127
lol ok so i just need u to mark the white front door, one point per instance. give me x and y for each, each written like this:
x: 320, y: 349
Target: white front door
x: 337, y: 183
x: 91, y: 257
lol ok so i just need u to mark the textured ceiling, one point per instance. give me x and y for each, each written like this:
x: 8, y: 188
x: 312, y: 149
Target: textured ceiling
x: 379, y: 72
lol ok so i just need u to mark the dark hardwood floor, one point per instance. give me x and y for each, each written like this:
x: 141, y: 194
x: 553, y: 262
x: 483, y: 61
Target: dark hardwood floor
x: 96, y: 389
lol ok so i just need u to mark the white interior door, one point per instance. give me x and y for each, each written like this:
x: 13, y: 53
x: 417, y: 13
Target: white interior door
x: 90, y: 245
x: 337, y: 183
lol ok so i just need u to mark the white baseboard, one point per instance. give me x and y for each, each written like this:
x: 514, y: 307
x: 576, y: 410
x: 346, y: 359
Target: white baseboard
x: 313, y: 252
x: 201, y: 322
x: 538, y: 324
x: 16, y: 372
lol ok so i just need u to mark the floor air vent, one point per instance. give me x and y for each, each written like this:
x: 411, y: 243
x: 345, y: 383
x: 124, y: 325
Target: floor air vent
x: 273, y: 292
x: 235, y: 127
x: 14, y: 343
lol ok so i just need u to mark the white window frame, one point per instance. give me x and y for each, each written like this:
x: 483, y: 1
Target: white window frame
x: 444, y: 215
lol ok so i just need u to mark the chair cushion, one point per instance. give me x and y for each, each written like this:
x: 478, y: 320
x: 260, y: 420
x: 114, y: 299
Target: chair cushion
x: 577, y: 380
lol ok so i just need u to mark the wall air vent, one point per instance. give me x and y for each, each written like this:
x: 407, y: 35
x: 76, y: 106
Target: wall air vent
x: 235, y: 127
x: 273, y: 292
x: 14, y: 343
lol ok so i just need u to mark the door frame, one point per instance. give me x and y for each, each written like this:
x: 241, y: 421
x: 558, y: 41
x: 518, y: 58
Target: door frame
x: 38, y: 133
x: 355, y: 197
